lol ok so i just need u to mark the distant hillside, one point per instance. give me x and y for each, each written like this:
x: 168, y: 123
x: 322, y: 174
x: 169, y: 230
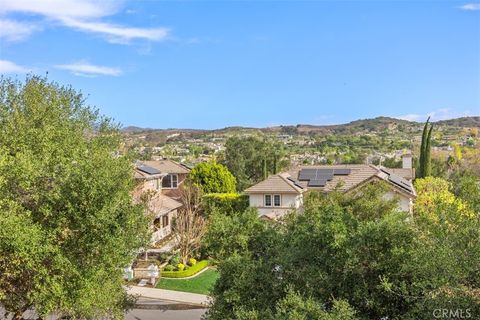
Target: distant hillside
x: 373, y: 126
x: 464, y: 122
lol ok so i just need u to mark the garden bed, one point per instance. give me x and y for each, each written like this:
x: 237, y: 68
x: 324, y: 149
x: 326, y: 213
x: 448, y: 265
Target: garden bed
x: 199, y: 266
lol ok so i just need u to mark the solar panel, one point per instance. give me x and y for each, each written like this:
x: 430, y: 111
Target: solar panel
x: 295, y: 183
x: 317, y: 183
x: 400, y: 182
x: 148, y: 169
x: 327, y: 175
x: 342, y: 172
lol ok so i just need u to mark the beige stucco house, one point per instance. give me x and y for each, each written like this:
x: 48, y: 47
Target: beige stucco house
x: 280, y: 193
x: 158, y: 183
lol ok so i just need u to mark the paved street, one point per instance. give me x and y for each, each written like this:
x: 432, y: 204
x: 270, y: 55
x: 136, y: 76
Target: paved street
x: 149, y: 309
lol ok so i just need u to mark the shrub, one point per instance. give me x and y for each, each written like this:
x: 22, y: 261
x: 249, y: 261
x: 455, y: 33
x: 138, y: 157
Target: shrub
x: 186, y: 273
x: 227, y: 203
x: 169, y: 268
x: 163, y: 256
x: 175, y: 260
x: 180, y: 267
x: 192, y: 261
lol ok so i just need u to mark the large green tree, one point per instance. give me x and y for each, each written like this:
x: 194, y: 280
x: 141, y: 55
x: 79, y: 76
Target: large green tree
x: 67, y: 221
x: 351, y: 250
x: 213, y: 177
x: 252, y: 159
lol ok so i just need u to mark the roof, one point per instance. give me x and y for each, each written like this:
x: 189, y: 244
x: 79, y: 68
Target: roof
x: 280, y: 183
x: 161, y: 204
x: 289, y: 182
x: 167, y: 166
x: 405, y: 173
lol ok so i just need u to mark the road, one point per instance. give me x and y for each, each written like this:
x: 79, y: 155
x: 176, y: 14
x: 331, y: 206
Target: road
x: 149, y: 309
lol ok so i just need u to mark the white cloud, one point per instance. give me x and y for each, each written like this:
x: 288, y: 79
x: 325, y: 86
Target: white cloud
x: 11, y: 67
x: 471, y: 7
x: 115, y: 33
x: 436, y: 115
x: 86, y: 69
x: 14, y: 30
x: 84, y: 16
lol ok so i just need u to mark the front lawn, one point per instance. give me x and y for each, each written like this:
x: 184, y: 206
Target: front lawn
x: 199, y: 284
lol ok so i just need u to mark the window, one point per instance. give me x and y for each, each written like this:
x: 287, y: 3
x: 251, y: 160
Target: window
x: 268, y: 200
x: 277, y: 200
x: 170, y: 181
x: 165, y: 221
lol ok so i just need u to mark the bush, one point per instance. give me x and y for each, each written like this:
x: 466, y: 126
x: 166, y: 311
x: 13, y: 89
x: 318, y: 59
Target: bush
x: 180, y: 267
x: 169, y: 268
x: 186, y: 273
x: 175, y: 260
x: 227, y: 203
x: 192, y: 261
x: 163, y: 256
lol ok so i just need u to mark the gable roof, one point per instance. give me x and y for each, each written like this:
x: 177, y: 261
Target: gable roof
x: 167, y: 166
x: 279, y: 183
x: 289, y: 182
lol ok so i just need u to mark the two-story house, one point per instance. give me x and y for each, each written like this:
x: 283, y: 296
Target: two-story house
x: 158, y: 183
x: 280, y: 193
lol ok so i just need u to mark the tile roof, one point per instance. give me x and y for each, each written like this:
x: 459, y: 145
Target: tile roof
x: 276, y: 183
x: 359, y: 173
x: 167, y: 166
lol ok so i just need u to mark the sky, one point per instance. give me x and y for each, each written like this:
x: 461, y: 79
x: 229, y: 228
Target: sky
x: 212, y: 64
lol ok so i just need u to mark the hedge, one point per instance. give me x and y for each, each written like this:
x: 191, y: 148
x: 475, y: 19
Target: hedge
x: 186, y: 273
x: 228, y: 203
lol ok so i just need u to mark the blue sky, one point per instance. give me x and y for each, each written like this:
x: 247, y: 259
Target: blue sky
x: 211, y: 64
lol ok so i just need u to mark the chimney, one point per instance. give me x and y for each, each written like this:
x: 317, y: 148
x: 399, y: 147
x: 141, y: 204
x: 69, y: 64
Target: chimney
x: 407, y: 161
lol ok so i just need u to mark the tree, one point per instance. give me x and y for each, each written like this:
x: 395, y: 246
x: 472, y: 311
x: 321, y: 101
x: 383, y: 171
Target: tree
x: 425, y: 166
x: 352, y: 250
x: 213, y: 177
x: 189, y: 226
x: 251, y: 159
x: 68, y: 224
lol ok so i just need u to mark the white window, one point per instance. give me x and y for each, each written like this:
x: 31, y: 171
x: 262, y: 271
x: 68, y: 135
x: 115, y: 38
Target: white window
x: 268, y: 200
x: 170, y: 181
x: 277, y: 202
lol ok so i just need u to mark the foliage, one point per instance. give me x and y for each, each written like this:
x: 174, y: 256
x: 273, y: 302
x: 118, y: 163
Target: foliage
x: 201, y: 283
x: 213, y: 177
x: 230, y: 234
x: 169, y: 268
x: 180, y: 267
x: 192, y: 261
x: 174, y: 260
x: 251, y: 159
x: 227, y: 203
x: 68, y: 224
x: 199, y: 266
x: 354, y: 251
x: 425, y: 166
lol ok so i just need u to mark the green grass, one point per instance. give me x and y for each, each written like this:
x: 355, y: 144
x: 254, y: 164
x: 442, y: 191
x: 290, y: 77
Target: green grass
x: 199, y: 284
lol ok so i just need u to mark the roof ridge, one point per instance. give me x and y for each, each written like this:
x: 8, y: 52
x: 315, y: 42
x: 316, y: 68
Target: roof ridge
x: 288, y: 181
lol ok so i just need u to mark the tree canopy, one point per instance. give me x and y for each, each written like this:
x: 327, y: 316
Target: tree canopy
x: 348, y: 256
x: 67, y: 221
x: 213, y: 177
x: 252, y: 159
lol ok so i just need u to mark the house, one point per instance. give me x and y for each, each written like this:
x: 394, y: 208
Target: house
x: 158, y: 184
x: 174, y: 174
x: 280, y: 193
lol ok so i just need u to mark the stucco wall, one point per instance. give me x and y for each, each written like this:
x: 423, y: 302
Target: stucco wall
x: 403, y: 200
x: 287, y: 201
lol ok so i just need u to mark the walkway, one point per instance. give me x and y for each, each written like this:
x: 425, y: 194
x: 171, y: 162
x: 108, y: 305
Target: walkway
x: 162, y: 294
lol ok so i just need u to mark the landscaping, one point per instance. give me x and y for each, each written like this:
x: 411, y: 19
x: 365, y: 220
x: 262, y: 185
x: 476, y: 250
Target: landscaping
x: 200, y: 284
x: 182, y: 271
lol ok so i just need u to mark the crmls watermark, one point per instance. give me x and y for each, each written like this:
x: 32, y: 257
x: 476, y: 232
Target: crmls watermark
x: 452, y: 314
